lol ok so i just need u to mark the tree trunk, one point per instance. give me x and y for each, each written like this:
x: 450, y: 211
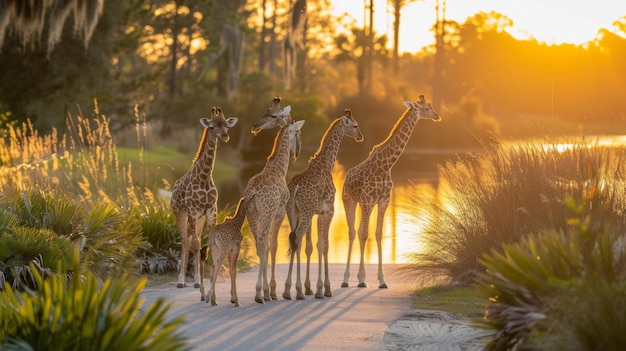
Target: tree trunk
x: 439, y: 54
x: 174, y: 49
x: 396, y: 36
x: 262, y: 45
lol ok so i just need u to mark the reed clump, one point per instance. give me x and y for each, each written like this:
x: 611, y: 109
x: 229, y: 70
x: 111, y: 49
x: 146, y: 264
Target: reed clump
x: 501, y: 197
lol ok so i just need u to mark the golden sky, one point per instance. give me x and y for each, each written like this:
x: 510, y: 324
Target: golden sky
x: 551, y: 21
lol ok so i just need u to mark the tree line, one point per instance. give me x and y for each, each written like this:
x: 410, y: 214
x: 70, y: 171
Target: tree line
x: 173, y: 60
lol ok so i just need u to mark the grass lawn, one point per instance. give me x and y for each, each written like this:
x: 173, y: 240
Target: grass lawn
x: 462, y: 300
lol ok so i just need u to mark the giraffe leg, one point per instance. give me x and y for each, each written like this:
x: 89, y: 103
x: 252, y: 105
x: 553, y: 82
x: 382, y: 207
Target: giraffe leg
x: 184, y: 228
x: 196, y: 243
x: 308, y: 250
x: 273, y: 248
x: 261, y: 248
x: 266, y: 285
x: 323, y: 226
x: 287, y: 292
x: 204, y: 252
x: 382, y: 208
x: 216, y: 256
x: 363, y: 234
x: 299, y: 293
x: 233, y: 274
x: 304, y: 226
x: 350, y: 208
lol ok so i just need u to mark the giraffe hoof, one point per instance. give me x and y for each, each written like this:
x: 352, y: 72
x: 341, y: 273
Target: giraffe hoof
x: 196, y: 285
x: 259, y: 300
x: 383, y: 286
x: 201, y: 298
x: 308, y: 292
x: 328, y: 294
x: 274, y: 297
x: 344, y: 285
x: 362, y: 285
x: 319, y: 296
x: 236, y: 303
x: 300, y: 297
x: 287, y: 296
x: 214, y: 303
x: 180, y: 285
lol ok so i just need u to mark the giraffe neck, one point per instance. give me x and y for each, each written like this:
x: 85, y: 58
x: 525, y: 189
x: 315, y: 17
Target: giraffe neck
x: 324, y: 158
x: 203, y: 166
x: 278, y: 160
x: 389, y: 150
x: 240, y: 213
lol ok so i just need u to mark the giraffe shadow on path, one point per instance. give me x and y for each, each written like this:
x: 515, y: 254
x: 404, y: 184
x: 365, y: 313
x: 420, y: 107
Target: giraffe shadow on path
x: 353, y: 318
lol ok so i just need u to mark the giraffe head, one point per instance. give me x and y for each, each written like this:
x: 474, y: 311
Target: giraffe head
x: 423, y: 109
x: 274, y: 116
x: 350, y: 125
x: 218, y: 125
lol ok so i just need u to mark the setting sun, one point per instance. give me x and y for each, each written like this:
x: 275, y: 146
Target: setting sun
x: 553, y: 22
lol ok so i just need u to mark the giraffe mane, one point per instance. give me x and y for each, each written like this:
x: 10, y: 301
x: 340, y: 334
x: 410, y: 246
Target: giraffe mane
x: 393, y: 130
x: 201, y: 147
x: 276, y: 141
x: 324, y: 137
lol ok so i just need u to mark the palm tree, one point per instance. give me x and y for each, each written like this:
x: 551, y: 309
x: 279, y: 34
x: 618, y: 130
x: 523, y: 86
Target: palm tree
x: 363, y: 49
x: 27, y: 18
x: 397, y: 7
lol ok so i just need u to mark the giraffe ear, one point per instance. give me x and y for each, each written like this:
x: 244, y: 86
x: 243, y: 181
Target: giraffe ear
x: 347, y: 112
x: 286, y: 110
x: 408, y: 104
x: 422, y: 98
x: 205, y: 122
x: 232, y: 121
x: 297, y: 125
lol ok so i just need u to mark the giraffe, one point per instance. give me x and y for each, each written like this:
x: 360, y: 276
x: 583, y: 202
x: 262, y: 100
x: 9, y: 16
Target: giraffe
x: 274, y: 117
x: 224, y: 239
x: 194, y: 196
x: 269, y: 188
x: 312, y: 192
x: 369, y: 184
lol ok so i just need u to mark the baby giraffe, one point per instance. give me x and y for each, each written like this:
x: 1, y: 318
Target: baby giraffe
x: 224, y: 239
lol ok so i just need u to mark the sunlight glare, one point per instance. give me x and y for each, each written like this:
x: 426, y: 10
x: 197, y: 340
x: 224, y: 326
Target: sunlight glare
x: 552, y: 22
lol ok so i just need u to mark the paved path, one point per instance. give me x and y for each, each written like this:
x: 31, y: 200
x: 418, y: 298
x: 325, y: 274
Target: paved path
x: 352, y: 319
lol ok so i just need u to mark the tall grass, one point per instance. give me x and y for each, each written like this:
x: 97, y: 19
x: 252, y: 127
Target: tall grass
x: 502, y: 196
x: 72, y: 181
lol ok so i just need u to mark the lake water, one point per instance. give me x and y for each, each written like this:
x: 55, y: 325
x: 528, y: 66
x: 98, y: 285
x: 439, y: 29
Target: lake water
x: 404, y: 220
x: 401, y: 229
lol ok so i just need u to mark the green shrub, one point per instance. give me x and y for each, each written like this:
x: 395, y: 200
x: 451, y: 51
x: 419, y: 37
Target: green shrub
x: 107, y: 242
x: 21, y: 247
x: 83, y: 314
x: 558, y: 289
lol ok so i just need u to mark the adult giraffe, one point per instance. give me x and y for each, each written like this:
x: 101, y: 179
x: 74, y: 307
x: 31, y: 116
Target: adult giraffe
x: 312, y: 192
x: 269, y: 193
x: 369, y: 184
x: 194, y: 196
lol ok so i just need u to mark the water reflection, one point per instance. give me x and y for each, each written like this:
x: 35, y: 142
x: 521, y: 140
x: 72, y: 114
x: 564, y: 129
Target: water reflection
x: 401, y: 229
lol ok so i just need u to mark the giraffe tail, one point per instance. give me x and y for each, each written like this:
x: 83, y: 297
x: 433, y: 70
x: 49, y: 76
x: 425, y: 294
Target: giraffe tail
x: 293, y: 245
